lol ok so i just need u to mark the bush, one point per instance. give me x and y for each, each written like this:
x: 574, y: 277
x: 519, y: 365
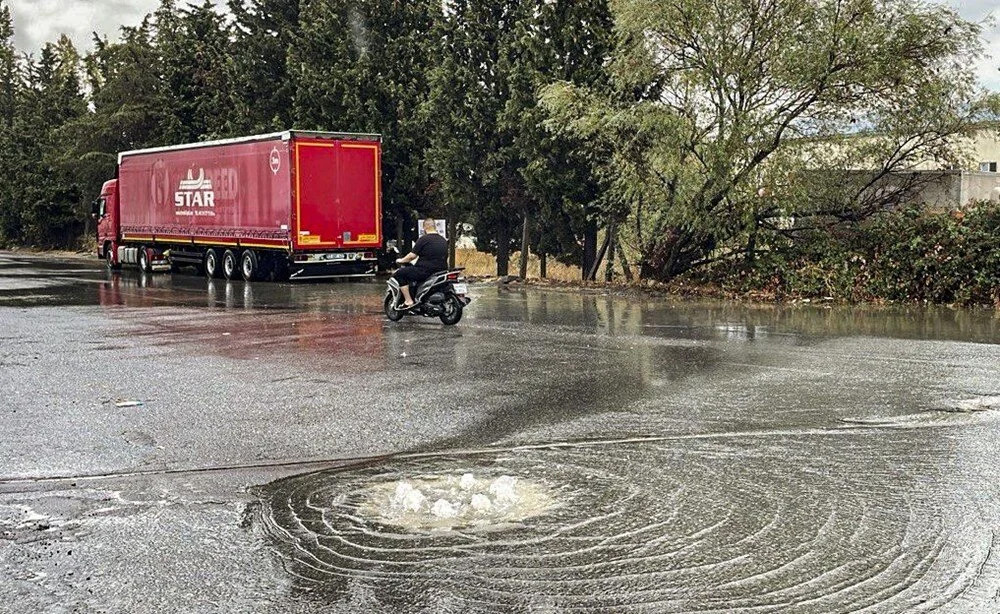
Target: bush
x: 901, y: 256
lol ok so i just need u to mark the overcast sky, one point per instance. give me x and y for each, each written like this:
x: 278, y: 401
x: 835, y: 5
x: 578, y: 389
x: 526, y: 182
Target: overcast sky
x: 38, y: 21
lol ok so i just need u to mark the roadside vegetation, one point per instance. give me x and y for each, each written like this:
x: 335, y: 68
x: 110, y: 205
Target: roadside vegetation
x: 711, y: 142
x: 905, y: 255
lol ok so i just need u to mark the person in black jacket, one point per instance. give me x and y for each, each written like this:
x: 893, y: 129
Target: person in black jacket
x: 431, y: 253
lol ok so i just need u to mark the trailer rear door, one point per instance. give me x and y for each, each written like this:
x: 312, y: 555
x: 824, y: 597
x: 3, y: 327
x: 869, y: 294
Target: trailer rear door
x: 338, y: 194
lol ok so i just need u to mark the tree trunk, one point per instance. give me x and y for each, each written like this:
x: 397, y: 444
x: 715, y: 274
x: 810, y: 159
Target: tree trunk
x: 525, y: 245
x: 609, y: 271
x: 592, y: 273
x: 451, y: 246
x: 626, y: 267
x: 87, y: 232
x: 453, y: 256
x: 503, y: 250
x: 589, y: 248
x: 542, y: 262
x: 399, y: 233
x: 752, y: 245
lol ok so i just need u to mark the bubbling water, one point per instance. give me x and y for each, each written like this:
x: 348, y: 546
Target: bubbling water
x: 836, y: 522
x: 448, y: 502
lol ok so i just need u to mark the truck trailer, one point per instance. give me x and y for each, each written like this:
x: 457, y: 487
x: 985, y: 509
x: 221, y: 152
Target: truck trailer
x: 289, y: 205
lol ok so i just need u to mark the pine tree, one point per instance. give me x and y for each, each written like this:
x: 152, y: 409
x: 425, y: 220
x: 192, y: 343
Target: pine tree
x: 131, y: 108
x: 53, y: 209
x: 10, y: 86
x: 193, y: 46
x: 362, y: 67
x: 471, y: 166
x: 565, y: 41
x: 262, y: 92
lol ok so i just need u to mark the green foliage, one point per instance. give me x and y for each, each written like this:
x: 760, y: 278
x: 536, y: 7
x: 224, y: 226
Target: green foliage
x: 907, y: 255
x: 469, y: 149
x: 10, y: 89
x: 262, y: 92
x: 47, y: 198
x: 131, y: 109
x: 568, y: 41
x: 193, y: 47
x: 362, y: 66
x: 717, y: 102
x: 692, y: 131
x: 492, y: 158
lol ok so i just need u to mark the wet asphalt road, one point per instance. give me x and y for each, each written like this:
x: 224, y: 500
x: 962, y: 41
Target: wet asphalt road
x: 704, y: 457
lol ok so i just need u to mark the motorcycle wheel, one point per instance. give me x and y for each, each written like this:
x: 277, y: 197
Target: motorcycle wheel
x: 390, y: 309
x: 452, y: 311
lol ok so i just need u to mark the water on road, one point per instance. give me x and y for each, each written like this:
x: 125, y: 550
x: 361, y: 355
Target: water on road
x: 555, y: 452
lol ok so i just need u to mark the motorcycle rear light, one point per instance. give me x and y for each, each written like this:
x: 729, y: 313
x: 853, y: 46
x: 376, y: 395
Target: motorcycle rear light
x: 453, y: 277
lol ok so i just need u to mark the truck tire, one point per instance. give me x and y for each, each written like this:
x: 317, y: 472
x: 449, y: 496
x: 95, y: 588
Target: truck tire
x: 250, y: 265
x: 230, y: 265
x: 280, y: 269
x: 212, y: 265
x: 109, y: 257
x: 143, y: 259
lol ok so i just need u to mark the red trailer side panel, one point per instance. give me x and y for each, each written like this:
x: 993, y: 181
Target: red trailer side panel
x: 225, y: 194
x: 338, y: 194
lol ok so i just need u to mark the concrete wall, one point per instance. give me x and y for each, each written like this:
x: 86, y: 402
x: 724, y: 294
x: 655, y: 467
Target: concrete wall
x: 946, y: 190
x: 978, y: 186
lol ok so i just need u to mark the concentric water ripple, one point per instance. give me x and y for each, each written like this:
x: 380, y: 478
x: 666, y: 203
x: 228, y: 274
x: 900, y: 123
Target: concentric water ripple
x: 844, y: 524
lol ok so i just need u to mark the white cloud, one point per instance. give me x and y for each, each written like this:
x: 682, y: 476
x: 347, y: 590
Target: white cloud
x: 39, y: 21
x: 982, y: 11
x: 988, y: 69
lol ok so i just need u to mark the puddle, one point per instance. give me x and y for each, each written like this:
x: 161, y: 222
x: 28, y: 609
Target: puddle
x: 772, y: 523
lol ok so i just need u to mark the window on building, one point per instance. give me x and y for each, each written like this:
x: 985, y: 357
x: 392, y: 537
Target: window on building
x: 988, y: 167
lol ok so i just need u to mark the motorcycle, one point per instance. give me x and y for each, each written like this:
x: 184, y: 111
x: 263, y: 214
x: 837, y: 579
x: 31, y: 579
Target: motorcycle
x: 443, y: 295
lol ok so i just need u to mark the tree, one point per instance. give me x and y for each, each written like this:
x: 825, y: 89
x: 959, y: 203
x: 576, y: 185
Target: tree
x: 51, y: 200
x: 262, y: 93
x: 570, y: 42
x: 362, y: 67
x: 193, y: 45
x: 713, y: 100
x: 10, y: 87
x: 471, y: 165
x: 131, y: 107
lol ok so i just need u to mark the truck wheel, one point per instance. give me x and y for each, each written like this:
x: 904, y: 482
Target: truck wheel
x: 211, y: 266
x: 281, y: 270
x: 109, y: 257
x: 144, y: 259
x: 452, y: 311
x: 250, y: 265
x: 230, y: 267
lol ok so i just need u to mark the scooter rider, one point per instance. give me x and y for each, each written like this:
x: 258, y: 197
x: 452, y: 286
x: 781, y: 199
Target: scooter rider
x: 432, y: 251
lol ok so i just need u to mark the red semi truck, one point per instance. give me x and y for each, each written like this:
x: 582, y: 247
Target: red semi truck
x: 285, y: 205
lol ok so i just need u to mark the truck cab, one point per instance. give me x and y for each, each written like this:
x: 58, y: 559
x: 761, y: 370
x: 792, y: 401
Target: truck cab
x: 107, y: 212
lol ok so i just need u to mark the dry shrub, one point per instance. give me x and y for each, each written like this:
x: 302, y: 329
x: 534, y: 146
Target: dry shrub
x: 481, y: 264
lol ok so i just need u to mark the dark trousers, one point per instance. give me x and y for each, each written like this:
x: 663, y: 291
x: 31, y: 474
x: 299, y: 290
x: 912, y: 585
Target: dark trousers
x: 411, y: 275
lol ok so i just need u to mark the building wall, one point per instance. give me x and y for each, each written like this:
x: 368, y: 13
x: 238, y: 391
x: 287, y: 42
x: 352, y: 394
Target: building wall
x: 977, y: 186
x: 943, y: 191
x: 947, y: 190
x: 985, y: 147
